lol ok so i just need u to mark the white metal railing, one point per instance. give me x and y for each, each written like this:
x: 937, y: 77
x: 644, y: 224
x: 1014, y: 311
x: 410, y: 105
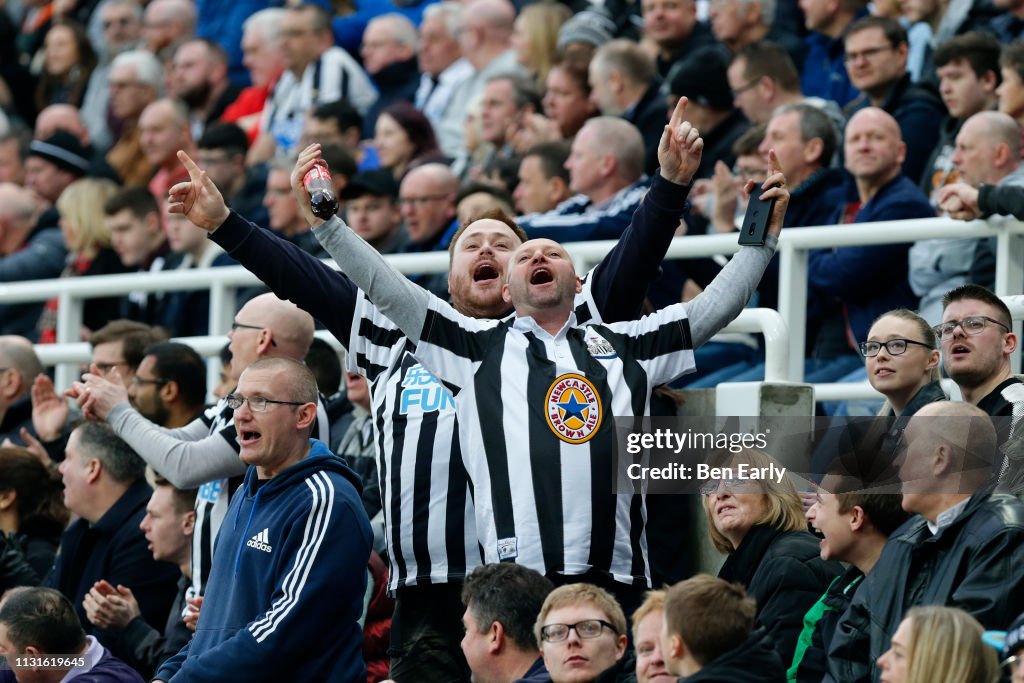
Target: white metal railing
x: 793, y: 248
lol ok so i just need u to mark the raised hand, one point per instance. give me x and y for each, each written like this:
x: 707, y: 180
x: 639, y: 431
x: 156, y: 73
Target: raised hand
x: 197, y: 199
x: 960, y: 201
x: 307, y: 159
x: 96, y: 395
x: 680, y: 148
x: 49, y: 411
x: 773, y: 186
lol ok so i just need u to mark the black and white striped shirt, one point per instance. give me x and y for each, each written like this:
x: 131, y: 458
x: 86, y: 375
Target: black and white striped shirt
x: 538, y: 435
x: 535, y: 410
x: 426, y: 496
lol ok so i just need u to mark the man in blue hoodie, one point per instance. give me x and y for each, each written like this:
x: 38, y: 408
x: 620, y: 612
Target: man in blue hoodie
x: 289, y: 573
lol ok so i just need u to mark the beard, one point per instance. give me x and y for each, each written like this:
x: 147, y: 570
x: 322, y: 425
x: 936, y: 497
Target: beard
x: 197, y: 96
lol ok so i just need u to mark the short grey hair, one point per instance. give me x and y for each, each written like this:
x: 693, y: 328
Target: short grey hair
x: 99, y: 440
x: 623, y: 141
x: 814, y: 123
x: 449, y: 12
x: 767, y: 10
x: 20, y: 356
x: 267, y: 23
x: 399, y: 29
x: 148, y: 69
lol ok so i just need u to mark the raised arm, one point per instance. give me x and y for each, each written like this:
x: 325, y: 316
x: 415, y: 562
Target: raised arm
x: 620, y: 282
x: 402, y: 301
x: 729, y: 292
x: 290, y: 272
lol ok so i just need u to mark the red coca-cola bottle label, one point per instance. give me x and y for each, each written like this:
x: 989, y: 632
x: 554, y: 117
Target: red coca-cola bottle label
x: 318, y: 172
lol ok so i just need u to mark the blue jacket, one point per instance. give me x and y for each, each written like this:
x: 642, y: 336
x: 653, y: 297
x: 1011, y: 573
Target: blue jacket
x: 870, y: 280
x: 289, y: 574
x: 824, y: 73
x: 578, y: 219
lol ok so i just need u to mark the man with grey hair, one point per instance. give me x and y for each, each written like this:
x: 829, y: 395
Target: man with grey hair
x: 606, y: 172
x: 19, y: 366
x: 165, y: 129
x: 30, y: 249
x: 136, y: 79
x: 115, y: 27
x: 442, y: 67
x: 263, y: 60
x: 486, y: 42
x: 988, y: 149
x: 166, y: 24
x: 739, y: 23
x: 105, y: 486
x: 507, y: 102
x: 623, y: 81
x: 389, y: 56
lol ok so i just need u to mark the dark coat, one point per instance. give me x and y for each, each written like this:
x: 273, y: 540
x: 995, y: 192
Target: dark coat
x: 114, y: 548
x: 976, y: 563
x: 753, y: 661
x: 872, y: 279
x: 649, y: 115
x: 784, y: 573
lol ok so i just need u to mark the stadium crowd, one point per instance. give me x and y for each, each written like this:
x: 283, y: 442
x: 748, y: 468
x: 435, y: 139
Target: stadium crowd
x: 439, y: 502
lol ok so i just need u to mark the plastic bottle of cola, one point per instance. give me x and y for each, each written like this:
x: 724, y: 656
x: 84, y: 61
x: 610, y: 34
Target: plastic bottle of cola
x: 318, y: 184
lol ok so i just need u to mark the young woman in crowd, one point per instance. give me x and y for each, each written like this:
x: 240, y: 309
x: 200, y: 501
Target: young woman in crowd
x: 939, y: 644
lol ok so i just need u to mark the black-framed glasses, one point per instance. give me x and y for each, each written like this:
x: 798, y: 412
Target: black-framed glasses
x: 257, y: 404
x: 420, y: 201
x: 744, y: 88
x: 235, y: 326
x: 894, y: 347
x: 586, y: 629
x: 973, y: 325
x: 139, y: 381
x: 851, y: 57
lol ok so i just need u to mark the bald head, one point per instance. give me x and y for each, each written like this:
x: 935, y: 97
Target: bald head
x: 291, y: 327
x: 61, y: 117
x: 874, y: 117
x: 988, y: 148
x: 966, y: 434
x: 17, y: 353
x: 438, y: 176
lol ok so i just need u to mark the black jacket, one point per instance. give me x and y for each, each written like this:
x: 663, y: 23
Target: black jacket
x: 976, y: 563
x: 649, y: 115
x: 811, y: 661
x: 753, y: 661
x: 114, y: 548
x: 395, y: 83
x: 144, y: 647
x: 784, y: 572
x: 1001, y: 199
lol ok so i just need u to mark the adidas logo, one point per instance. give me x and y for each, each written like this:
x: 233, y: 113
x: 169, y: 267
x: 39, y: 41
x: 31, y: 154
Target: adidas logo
x: 260, y: 541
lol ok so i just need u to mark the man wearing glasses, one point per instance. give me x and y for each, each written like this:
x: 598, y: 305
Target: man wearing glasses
x: 426, y: 199
x: 876, y: 59
x: 976, y: 340
x: 581, y: 631
x: 204, y: 453
x: 286, y: 590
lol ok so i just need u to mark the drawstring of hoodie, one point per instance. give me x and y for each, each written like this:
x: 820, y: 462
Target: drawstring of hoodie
x: 245, y: 532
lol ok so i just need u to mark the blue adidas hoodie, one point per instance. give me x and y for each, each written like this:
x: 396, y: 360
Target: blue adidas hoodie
x: 286, y: 589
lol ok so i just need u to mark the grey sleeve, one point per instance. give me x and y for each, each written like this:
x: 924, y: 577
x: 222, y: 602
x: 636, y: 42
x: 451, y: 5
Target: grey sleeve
x: 729, y: 292
x: 402, y: 301
x: 187, y: 457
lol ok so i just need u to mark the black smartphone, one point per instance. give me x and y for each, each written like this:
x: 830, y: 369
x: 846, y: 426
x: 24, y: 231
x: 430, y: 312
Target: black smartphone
x: 754, y: 230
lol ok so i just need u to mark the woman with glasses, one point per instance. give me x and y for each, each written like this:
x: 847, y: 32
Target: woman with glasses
x: 935, y: 644
x: 759, y: 524
x: 903, y: 362
x: 581, y: 632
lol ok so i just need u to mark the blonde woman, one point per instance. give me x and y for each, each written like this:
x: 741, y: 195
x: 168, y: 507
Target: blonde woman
x: 535, y: 34
x: 939, y: 644
x: 759, y: 524
x: 88, y: 241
